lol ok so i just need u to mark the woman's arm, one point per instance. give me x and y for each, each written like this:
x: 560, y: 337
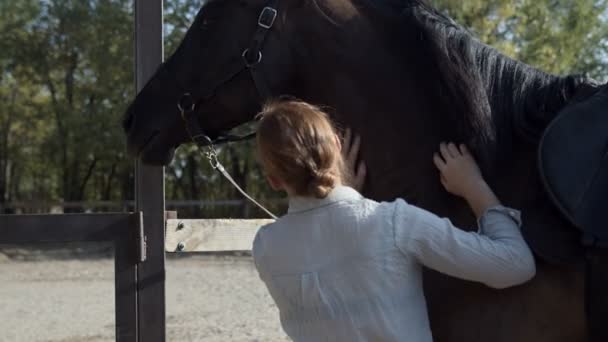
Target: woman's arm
x: 497, y: 256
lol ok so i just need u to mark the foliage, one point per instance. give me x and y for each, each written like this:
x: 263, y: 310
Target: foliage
x: 66, y: 78
x: 558, y: 36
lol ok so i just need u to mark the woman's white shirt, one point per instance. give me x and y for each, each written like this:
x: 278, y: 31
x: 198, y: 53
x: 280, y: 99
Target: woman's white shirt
x: 346, y: 268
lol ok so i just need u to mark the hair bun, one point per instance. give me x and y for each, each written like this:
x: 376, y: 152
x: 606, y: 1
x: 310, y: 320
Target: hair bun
x: 322, y: 183
x: 297, y: 145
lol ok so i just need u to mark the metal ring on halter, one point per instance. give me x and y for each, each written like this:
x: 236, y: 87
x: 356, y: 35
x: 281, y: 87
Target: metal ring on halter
x: 186, y: 107
x: 247, y: 62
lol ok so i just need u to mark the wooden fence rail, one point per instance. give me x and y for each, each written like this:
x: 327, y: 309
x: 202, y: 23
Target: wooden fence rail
x: 221, y: 235
x: 126, y: 206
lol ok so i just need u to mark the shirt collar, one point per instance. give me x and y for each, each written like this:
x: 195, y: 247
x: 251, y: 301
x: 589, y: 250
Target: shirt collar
x: 339, y: 193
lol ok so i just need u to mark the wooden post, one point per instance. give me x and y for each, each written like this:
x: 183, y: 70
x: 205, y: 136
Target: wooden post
x: 150, y: 186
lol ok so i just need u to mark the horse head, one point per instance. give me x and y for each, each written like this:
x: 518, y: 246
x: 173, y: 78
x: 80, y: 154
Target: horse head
x: 215, y: 81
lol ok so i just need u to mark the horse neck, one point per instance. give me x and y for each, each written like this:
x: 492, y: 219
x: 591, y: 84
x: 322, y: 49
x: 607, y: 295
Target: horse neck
x: 367, y: 88
x: 377, y: 90
x: 499, y: 99
x: 339, y: 57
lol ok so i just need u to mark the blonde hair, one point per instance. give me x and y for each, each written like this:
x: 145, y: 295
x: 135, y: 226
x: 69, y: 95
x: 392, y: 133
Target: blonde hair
x: 297, y: 144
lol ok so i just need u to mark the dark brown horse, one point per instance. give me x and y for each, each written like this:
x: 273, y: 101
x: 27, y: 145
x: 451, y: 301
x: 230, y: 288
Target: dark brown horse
x: 405, y: 77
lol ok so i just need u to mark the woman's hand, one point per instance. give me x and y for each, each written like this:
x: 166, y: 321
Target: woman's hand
x: 459, y: 171
x: 461, y: 176
x: 350, y: 154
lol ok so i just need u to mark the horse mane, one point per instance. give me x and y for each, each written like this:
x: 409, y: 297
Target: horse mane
x: 485, y: 98
x: 465, y: 99
x: 446, y: 59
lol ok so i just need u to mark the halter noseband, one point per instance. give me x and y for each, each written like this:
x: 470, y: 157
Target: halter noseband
x: 251, y: 60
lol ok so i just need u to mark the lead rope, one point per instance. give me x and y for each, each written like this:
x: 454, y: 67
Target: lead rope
x: 211, y: 155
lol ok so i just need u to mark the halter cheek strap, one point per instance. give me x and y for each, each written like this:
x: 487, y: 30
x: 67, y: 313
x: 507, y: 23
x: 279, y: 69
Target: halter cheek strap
x: 251, y: 59
x: 253, y: 55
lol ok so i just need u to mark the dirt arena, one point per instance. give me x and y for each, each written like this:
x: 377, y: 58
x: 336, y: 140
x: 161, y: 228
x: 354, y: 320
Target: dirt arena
x: 208, y: 298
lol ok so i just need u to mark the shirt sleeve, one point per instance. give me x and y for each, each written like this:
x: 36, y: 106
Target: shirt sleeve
x: 496, y: 255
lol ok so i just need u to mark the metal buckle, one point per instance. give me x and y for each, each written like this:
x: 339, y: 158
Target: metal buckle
x: 267, y: 17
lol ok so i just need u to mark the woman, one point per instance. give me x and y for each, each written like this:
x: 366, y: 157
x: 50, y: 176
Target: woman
x: 344, y: 268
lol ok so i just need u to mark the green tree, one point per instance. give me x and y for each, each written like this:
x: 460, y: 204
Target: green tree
x: 72, y: 61
x: 20, y: 125
x: 557, y: 36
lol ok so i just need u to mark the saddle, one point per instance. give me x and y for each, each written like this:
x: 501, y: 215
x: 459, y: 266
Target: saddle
x: 573, y: 163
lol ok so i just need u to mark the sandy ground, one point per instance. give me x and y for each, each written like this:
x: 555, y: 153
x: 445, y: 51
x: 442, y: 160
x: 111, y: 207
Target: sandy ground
x: 208, y: 299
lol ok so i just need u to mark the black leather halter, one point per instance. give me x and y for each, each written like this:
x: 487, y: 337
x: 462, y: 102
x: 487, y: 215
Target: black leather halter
x: 251, y: 60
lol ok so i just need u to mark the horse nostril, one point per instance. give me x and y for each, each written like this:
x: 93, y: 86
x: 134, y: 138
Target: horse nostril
x: 127, y: 122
